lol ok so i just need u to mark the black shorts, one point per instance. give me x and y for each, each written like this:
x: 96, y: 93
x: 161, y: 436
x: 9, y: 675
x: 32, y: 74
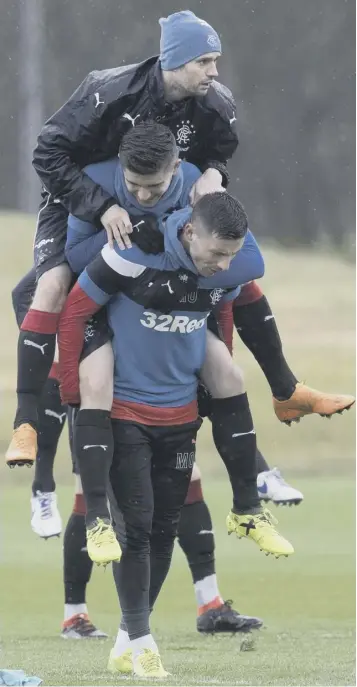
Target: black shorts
x: 51, y: 235
x: 22, y: 295
x: 150, y: 475
x: 97, y: 333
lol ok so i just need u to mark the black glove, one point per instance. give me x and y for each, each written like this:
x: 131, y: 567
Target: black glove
x: 163, y: 290
x: 146, y: 234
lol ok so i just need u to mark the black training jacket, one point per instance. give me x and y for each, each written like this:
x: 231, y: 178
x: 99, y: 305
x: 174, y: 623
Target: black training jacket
x: 90, y: 125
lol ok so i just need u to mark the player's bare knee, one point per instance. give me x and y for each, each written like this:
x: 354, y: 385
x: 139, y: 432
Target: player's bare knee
x: 52, y: 289
x: 96, y: 379
x: 219, y: 373
x: 230, y: 384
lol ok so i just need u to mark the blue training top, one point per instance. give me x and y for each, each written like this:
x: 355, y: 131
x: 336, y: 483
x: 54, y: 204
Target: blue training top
x: 84, y: 241
x: 158, y: 356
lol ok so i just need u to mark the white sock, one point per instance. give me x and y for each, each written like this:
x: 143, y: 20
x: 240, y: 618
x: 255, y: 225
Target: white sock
x: 74, y: 609
x: 122, y: 642
x: 146, y: 642
x: 206, y: 590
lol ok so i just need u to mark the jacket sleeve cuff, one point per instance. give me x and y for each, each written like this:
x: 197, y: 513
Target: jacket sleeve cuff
x: 103, y: 208
x: 221, y: 167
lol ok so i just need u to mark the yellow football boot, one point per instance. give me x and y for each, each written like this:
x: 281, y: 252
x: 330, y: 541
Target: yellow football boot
x: 148, y: 664
x: 260, y: 528
x: 122, y: 663
x: 102, y: 544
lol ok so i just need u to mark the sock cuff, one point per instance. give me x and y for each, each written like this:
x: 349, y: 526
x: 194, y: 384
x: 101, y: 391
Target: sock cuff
x: 40, y: 322
x: 94, y: 418
x: 194, y: 493
x: 217, y: 602
x: 252, y: 314
x: 230, y: 404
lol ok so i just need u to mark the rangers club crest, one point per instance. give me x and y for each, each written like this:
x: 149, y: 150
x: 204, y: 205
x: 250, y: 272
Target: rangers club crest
x: 185, y: 130
x: 213, y: 41
x: 216, y: 295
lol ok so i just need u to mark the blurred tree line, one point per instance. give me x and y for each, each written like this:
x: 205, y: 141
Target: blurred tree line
x: 289, y: 64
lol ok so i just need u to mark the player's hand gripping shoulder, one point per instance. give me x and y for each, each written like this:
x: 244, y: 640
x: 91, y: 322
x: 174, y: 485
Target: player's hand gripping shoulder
x: 147, y: 235
x: 117, y: 224
x: 209, y: 182
x: 143, y: 230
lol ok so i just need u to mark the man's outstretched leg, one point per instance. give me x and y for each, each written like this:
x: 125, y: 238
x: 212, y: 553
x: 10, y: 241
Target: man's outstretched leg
x: 196, y: 538
x: 235, y: 439
x: 94, y: 449
x: 256, y: 326
x: 46, y: 520
x: 77, y: 570
x: 77, y: 566
x: 37, y: 339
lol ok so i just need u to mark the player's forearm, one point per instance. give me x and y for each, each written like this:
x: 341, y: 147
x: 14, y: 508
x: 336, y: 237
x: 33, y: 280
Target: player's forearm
x: 80, y: 251
x: 249, y: 261
x: 225, y: 322
x: 65, y: 180
x: 221, y: 147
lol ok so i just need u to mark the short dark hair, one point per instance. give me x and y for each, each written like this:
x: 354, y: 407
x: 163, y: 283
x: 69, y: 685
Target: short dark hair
x: 222, y: 215
x: 147, y: 148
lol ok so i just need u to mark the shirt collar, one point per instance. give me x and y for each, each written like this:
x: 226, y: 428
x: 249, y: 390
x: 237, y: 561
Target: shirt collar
x: 173, y: 226
x: 131, y: 205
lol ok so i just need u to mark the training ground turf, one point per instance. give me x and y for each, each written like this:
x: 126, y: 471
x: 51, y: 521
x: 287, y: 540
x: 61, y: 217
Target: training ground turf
x: 307, y: 601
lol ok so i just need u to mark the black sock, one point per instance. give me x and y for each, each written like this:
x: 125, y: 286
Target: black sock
x: 262, y: 465
x: 195, y: 536
x: 35, y: 353
x: 256, y: 327
x: 235, y: 440
x: 77, y: 566
x: 51, y: 420
x: 93, y: 439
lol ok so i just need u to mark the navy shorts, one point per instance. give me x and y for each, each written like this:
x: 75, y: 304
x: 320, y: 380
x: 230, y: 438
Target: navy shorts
x: 97, y: 333
x: 51, y: 235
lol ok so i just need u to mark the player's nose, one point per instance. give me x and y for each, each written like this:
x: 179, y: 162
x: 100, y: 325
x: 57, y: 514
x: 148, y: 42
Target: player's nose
x: 143, y: 194
x: 224, y: 263
x: 212, y: 71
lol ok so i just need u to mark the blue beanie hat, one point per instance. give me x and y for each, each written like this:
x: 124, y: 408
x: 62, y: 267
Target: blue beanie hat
x: 184, y: 37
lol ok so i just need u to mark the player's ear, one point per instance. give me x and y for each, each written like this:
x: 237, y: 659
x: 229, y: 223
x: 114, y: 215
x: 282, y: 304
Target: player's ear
x: 177, y: 165
x: 188, y: 232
